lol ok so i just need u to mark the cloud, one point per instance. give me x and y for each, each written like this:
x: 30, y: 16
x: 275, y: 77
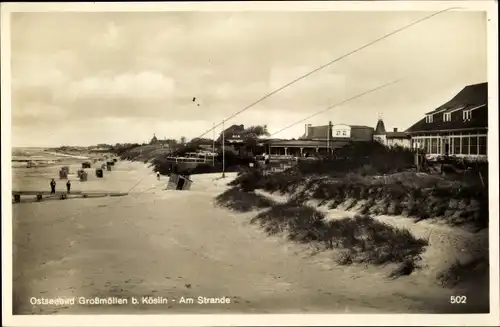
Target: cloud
x: 110, y: 38
x: 144, y: 68
x: 143, y: 85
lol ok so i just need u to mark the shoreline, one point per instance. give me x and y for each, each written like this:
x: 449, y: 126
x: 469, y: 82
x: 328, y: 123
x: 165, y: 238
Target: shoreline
x: 59, y: 154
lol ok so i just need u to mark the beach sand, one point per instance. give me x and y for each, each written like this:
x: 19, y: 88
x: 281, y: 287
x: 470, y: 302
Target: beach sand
x: 177, y: 244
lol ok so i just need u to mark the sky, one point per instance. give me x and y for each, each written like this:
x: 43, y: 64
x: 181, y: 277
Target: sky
x: 82, y: 78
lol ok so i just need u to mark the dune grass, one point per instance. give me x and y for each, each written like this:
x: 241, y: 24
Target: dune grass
x: 358, y: 240
x: 241, y: 201
x: 361, y: 239
x: 420, y: 196
x: 370, y: 182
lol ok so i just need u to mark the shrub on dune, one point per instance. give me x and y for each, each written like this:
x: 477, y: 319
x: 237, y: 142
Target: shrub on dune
x: 242, y: 201
x: 301, y: 223
x: 362, y: 239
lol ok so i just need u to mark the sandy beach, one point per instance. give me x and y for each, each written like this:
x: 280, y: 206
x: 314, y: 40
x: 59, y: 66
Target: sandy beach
x: 175, y: 244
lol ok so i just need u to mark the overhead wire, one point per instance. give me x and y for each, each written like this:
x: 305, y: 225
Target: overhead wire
x: 327, y: 65
x: 339, y: 104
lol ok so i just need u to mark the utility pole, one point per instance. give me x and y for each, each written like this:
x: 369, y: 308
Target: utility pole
x: 213, y: 145
x: 223, y: 152
x: 328, y: 138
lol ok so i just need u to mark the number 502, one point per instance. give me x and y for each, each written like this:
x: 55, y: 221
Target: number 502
x: 458, y: 299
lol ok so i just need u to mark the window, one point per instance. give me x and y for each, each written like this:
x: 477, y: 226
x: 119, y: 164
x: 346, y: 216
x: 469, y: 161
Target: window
x: 344, y: 133
x: 434, y: 149
x: 473, y: 145
x: 426, y: 145
x: 482, y: 147
x: 467, y: 114
x: 428, y: 119
x: 338, y: 133
x: 465, y: 145
x: 457, y: 145
x: 447, y: 116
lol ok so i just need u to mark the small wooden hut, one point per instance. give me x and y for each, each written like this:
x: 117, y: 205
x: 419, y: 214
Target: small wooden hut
x: 83, y: 176
x: 99, y: 173
x: 179, y: 182
x: 63, y: 174
x: 86, y: 165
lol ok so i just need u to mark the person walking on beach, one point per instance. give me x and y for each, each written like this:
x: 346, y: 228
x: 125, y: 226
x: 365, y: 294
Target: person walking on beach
x: 158, y: 175
x: 52, y: 186
x: 68, y: 186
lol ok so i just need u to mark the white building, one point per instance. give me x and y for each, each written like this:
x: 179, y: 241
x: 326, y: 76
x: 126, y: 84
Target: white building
x: 391, y: 139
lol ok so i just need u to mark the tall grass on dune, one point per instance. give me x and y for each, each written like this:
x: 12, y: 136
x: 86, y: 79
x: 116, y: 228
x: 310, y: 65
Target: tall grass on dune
x: 358, y: 239
x: 376, y: 186
x: 455, y: 204
x: 241, y: 201
x: 361, y: 239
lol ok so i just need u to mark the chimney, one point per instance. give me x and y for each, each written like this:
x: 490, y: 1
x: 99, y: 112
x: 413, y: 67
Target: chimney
x: 395, y: 129
x: 308, y: 129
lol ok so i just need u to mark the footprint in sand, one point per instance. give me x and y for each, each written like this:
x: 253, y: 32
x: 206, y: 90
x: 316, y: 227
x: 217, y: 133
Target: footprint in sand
x: 134, y: 281
x: 115, y: 289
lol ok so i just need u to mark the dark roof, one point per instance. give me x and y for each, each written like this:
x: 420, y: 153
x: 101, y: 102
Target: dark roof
x: 471, y: 95
x: 380, y: 129
x: 397, y: 135
x: 318, y: 132
x: 360, y: 126
x: 321, y: 132
x: 422, y: 126
x: 309, y: 143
